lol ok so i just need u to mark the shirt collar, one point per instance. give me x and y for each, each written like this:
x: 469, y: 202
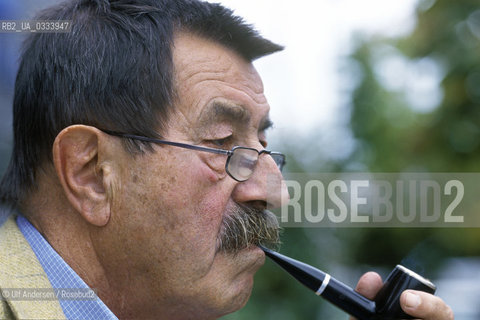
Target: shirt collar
x: 62, y: 276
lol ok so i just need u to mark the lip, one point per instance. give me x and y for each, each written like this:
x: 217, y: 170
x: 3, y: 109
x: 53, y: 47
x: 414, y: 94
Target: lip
x: 257, y: 249
x: 261, y: 255
x: 257, y: 256
x: 252, y: 257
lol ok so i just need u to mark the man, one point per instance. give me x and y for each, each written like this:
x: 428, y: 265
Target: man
x: 125, y: 175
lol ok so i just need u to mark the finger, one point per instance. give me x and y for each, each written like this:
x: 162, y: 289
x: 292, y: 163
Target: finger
x: 425, y: 306
x: 368, y: 285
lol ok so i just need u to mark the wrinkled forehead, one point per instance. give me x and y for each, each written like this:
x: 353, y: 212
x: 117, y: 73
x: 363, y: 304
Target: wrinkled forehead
x: 213, y: 83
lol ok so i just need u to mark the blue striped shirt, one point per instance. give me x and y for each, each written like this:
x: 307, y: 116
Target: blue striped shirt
x: 62, y: 276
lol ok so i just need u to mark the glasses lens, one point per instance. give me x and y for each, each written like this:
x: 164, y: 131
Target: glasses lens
x: 242, y: 163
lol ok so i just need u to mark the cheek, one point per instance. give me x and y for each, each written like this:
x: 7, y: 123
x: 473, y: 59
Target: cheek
x: 212, y: 168
x: 175, y: 211
x: 207, y: 199
x: 192, y: 204
x: 206, y: 193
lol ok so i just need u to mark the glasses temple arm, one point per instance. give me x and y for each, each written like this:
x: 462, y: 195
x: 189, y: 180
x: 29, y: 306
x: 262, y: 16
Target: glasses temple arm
x: 171, y: 143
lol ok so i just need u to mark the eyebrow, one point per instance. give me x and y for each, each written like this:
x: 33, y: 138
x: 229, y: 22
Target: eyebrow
x: 223, y: 111
x: 236, y: 114
x: 265, y: 124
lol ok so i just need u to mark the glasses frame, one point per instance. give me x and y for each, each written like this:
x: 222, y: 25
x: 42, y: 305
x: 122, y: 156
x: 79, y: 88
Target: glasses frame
x: 228, y: 153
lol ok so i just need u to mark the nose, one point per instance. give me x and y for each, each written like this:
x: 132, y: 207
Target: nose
x: 265, y: 187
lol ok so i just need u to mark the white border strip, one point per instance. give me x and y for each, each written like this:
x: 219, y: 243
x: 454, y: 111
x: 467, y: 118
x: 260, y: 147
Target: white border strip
x: 324, y: 285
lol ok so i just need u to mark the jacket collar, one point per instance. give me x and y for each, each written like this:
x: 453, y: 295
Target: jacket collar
x: 21, y: 270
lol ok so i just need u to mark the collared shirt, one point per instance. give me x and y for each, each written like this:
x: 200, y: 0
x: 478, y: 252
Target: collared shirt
x: 62, y: 276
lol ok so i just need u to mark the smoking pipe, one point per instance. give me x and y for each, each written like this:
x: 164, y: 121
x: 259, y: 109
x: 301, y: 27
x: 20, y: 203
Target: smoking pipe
x: 386, y: 304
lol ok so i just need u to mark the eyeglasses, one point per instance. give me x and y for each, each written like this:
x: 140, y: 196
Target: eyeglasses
x: 241, y: 161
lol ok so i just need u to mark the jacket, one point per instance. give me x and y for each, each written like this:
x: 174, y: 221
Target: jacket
x: 20, y: 269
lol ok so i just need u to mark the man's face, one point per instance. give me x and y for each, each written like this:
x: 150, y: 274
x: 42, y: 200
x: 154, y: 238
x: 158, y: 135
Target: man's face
x: 173, y: 201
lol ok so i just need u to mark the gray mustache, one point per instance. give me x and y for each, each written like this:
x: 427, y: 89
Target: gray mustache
x: 244, y: 226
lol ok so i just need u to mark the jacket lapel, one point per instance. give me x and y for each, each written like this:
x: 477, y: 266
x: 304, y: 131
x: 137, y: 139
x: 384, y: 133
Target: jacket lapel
x: 20, y: 269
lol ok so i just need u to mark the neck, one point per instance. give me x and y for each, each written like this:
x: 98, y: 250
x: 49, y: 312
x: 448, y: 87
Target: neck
x: 69, y: 235
x: 94, y: 254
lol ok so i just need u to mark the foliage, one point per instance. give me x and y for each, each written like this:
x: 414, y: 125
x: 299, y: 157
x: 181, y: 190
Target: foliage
x: 395, y: 136
x: 415, y: 107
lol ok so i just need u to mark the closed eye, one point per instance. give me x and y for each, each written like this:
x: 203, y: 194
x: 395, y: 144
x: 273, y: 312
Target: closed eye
x: 220, y: 143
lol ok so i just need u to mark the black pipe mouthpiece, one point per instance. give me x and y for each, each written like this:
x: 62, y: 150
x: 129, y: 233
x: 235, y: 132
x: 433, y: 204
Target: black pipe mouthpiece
x: 386, y: 304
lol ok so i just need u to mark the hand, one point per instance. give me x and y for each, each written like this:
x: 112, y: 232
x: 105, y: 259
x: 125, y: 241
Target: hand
x: 416, y: 303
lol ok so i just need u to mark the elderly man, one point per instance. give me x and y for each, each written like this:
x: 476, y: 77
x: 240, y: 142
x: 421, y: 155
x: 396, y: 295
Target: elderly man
x: 126, y: 175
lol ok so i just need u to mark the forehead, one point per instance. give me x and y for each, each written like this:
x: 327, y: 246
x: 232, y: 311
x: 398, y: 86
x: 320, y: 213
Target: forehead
x: 213, y: 81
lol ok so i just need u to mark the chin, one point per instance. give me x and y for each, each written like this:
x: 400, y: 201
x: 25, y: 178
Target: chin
x: 241, y: 296
x: 254, y: 258
x: 242, y: 299
x: 233, y: 291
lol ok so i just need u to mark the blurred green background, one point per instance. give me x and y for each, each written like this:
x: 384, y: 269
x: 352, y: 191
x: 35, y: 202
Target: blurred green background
x: 396, y: 126
x: 395, y: 129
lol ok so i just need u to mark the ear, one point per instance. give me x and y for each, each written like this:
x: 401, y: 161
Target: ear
x: 79, y: 154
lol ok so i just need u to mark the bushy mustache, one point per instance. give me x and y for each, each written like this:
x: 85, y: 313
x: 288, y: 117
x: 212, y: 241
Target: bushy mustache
x: 244, y: 226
